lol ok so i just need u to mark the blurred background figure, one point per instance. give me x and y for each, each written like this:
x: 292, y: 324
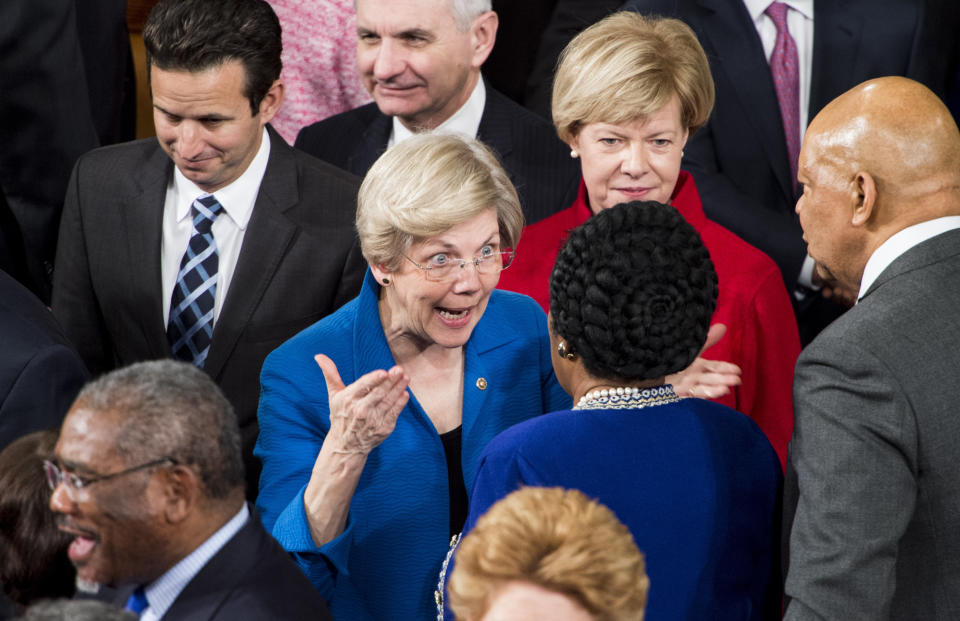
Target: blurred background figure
x: 319, y: 63
x: 549, y: 553
x: 628, y: 94
x: 33, y: 552
x: 697, y: 483
x: 76, y: 610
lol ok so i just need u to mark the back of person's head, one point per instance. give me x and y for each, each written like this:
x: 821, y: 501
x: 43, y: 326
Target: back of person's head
x: 632, y: 292
x: 33, y: 552
x: 76, y: 610
x: 426, y: 185
x: 172, y: 409
x: 196, y: 35
x: 558, y: 540
x: 628, y: 67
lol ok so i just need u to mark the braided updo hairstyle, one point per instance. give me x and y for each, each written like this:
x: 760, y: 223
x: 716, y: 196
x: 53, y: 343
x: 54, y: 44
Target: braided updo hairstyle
x: 632, y: 292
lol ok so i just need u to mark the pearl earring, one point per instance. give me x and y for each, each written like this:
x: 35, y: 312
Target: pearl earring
x: 574, y: 154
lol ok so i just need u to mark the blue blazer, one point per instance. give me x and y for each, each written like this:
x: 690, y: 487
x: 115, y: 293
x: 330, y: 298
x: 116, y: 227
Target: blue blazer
x: 696, y: 482
x: 385, y: 564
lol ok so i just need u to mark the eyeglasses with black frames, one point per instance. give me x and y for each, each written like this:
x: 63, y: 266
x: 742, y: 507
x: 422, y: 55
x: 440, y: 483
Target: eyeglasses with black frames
x: 77, y: 484
x: 441, y: 267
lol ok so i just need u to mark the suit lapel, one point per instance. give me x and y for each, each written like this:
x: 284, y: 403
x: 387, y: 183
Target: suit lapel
x: 930, y: 251
x: 495, y: 125
x: 837, y: 33
x: 265, y: 242
x: 732, y: 36
x: 141, y: 227
x: 372, y: 144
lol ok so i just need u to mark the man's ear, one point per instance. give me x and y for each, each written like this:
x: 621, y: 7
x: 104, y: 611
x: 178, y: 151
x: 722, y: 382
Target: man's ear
x: 865, y: 198
x: 181, y: 488
x: 270, y: 104
x: 483, y: 34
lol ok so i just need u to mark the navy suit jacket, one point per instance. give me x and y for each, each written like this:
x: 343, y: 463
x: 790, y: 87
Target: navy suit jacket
x: 40, y: 372
x: 739, y: 159
x: 538, y: 163
x: 300, y: 261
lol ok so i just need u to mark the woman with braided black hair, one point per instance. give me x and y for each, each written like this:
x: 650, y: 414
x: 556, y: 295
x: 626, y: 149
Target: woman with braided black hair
x: 697, y: 483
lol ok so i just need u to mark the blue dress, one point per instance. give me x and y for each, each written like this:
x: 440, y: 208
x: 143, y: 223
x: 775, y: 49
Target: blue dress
x: 697, y: 484
x: 385, y: 564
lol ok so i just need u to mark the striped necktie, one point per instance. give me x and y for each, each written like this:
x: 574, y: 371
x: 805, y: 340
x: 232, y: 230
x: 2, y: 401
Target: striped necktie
x: 190, y: 328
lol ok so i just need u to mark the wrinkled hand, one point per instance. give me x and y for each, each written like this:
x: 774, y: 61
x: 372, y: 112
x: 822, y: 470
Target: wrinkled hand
x: 364, y: 413
x: 707, y: 379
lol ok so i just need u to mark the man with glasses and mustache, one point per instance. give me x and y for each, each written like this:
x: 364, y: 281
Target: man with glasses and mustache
x: 148, y: 477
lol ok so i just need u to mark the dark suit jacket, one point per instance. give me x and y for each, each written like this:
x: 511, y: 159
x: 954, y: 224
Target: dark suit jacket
x: 739, y: 159
x: 876, y: 533
x: 539, y: 164
x: 251, y: 578
x: 45, y: 124
x: 40, y: 372
x: 300, y: 261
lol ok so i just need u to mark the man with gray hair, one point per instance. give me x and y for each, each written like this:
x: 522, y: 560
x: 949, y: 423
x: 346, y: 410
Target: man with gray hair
x: 148, y: 477
x: 420, y: 60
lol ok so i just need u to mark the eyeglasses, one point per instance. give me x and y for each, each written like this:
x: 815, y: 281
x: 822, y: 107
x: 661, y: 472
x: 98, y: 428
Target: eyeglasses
x: 441, y: 267
x: 76, y: 483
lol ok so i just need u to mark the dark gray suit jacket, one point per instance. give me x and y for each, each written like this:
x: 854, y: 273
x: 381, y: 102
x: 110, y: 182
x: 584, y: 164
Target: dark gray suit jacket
x: 540, y: 166
x: 300, y: 261
x: 876, y: 444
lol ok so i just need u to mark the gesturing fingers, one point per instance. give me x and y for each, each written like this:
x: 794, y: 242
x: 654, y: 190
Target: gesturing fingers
x: 364, y: 413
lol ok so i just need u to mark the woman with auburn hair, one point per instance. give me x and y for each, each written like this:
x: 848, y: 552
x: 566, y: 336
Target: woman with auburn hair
x: 628, y: 92
x: 549, y: 553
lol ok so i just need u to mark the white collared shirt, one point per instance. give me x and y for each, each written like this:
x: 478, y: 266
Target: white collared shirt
x: 237, y: 200
x: 464, y: 121
x: 162, y: 592
x: 800, y: 25
x: 899, y: 243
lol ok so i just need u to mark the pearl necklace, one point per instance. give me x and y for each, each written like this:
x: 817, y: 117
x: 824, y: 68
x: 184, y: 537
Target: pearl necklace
x: 626, y: 397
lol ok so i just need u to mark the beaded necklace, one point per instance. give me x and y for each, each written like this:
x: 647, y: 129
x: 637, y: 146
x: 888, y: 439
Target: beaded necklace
x: 627, y: 397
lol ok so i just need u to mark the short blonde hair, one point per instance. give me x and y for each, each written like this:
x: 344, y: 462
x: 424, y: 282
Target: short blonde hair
x: 627, y: 66
x: 426, y: 185
x: 559, y: 540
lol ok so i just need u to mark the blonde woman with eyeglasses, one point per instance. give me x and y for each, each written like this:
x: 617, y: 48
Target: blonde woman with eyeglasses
x: 372, y: 420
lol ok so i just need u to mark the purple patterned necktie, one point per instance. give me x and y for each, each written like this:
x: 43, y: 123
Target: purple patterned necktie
x: 785, y: 68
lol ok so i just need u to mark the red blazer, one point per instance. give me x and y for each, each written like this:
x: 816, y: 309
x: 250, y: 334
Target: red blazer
x: 762, y: 334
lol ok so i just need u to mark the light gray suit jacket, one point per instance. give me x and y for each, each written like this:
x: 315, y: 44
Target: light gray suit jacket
x: 876, y: 451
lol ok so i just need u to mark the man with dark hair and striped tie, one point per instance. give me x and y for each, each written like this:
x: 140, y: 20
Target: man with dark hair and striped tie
x: 215, y: 242
x: 147, y: 478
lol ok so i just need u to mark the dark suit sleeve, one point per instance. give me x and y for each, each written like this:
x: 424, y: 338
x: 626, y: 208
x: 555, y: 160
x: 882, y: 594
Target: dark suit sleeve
x: 45, y: 121
x: 75, y: 302
x: 854, y: 451
x: 354, y: 268
x: 40, y: 392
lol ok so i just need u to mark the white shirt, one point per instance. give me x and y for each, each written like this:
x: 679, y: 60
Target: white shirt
x: 899, y: 243
x: 162, y: 592
x: 228, y: 229
x: 464, y: 121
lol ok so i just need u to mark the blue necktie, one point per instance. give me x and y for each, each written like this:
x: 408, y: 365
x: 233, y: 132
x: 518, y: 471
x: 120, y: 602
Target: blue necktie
x: 137, y: 602
x: 190, y: 328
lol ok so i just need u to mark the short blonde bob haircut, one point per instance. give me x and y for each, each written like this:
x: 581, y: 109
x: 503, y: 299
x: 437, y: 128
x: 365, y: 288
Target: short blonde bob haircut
x: 426, y: 185
x: 559, y: 540
x: 627, y: 67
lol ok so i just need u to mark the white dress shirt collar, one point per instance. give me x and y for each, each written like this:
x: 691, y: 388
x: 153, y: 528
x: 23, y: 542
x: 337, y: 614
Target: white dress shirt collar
x: 757, y: 7
x: 162, y: 592
x: 899, y: 243
x: 464, y: 121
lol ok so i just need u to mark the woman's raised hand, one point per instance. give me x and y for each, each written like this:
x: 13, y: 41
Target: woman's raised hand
x: 706, y: 379
x: 364, y: 413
